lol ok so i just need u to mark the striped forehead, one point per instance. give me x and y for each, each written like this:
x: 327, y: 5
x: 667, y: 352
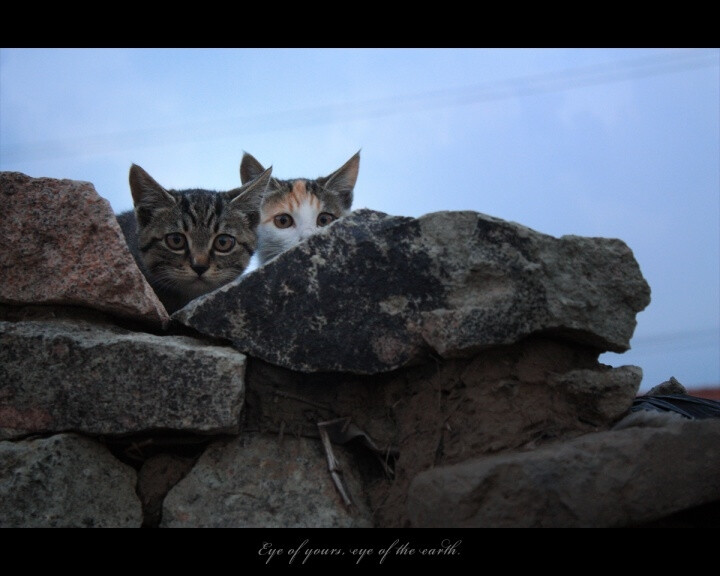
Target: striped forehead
x: 201, y: 209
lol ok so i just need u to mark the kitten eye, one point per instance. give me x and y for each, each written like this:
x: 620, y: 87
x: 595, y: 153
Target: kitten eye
x: 283, y: 220
x: 324, y: 218
x: 175, y: 241
x: 223, y: 243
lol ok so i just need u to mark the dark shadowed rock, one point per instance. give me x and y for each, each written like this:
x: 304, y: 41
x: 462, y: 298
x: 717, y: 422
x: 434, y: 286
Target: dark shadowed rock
x: 374, y: 292
x: 156, y: 477
x: 65, y: 481
x: 432, y: 415
x: 265, y: 482
x: 67, y: 374
x: 60, y: 243
x: 599, y: 397
x: 649, y: 467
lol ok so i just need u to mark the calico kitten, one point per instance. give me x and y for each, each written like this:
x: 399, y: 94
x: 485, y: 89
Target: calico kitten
x: 292, y: 210
x: 190, y: 242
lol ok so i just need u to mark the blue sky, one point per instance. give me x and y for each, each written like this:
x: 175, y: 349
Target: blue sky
x: 621, y: 143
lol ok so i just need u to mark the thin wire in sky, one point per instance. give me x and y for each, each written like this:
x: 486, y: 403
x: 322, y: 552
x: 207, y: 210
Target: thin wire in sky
x: 523, y: 87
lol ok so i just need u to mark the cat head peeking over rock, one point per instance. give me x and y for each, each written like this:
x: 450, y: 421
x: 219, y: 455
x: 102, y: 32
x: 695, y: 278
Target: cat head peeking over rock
x: 190, y: 242
x: 292, y: 210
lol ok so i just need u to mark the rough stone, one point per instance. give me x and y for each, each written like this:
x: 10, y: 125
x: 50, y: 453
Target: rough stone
x: 645, y: 469
x: 600, y: 397
x: 671, y: 386
x: 458, y: 352
x: 68, y: 374
x: 372, y: 293
x: 60, y: 243
x: 65, y: 481
x: 265, y: 482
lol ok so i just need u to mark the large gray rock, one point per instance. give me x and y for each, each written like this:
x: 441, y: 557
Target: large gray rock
x: 68, y: 374
x: 65, y: 481
x: 60, y: 243
x: 265, y: 482
x: 373, y: 292
x: 651, y: 466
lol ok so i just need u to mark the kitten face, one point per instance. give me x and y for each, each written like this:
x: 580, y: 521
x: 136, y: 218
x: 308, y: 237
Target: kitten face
x: 194, y: 241
x: 293, y: 210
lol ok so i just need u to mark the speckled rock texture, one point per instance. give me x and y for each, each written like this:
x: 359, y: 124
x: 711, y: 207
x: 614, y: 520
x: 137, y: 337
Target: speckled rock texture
x: 60, y: 243
x: 61, y: 374
x: 265, y: 482
x: 375, y: 292
x: 65, y: 481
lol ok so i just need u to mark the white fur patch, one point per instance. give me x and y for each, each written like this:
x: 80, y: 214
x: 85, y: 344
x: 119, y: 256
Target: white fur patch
x: 304, y: 209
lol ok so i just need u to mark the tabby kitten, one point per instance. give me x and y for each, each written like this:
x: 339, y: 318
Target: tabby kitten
x: 190, y: 242
x: 292, y: 210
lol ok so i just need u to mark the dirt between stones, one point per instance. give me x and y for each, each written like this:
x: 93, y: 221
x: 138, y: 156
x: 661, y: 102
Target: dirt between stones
x: 435, y: 414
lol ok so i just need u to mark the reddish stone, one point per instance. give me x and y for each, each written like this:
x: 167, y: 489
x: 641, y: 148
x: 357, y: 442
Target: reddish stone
x: 60, y: 244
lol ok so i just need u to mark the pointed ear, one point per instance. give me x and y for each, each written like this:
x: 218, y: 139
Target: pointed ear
x: 342, y: 181
x: 145, y: 191
x: 249, y: 168
x: 250, y: 195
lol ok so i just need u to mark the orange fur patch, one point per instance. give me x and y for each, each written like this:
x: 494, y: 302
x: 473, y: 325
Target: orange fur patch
x: 298, y: 192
